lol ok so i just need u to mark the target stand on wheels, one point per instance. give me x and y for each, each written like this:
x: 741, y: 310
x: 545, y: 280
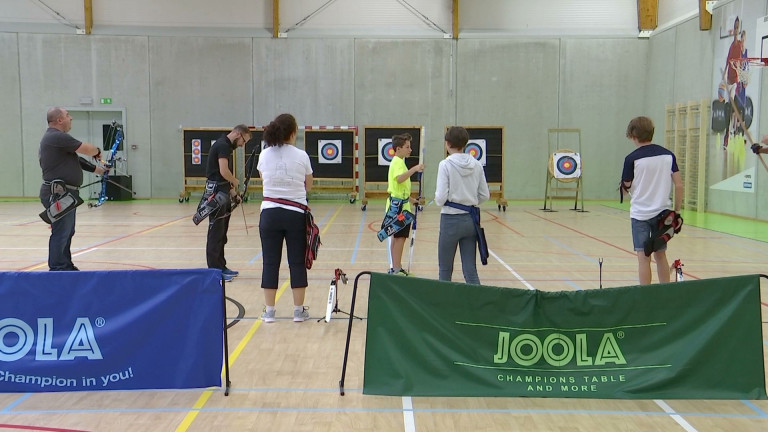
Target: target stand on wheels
x: 196, y: 143
x: 333, y: 151
x: 378, y: 153
x: 564, y: 169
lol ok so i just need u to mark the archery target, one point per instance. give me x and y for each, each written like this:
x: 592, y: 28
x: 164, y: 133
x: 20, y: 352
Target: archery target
x: 476, y: 148
x: 386, y: 151
x: 567, y: 165
x: 329, y: 151
x: 196, y: 151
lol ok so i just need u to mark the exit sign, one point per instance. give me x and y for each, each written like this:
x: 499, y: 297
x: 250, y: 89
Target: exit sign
x: 106, y: 101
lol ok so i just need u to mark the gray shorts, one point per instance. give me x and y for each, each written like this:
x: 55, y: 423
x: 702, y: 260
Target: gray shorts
x: 641, y: 231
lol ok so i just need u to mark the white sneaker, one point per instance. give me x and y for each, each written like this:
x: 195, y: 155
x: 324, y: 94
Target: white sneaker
x: 300, y: 315
x: 269, y: 317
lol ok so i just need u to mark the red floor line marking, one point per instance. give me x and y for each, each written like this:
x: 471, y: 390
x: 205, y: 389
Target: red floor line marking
x: 27, y: 223
x: 112, y: 241
x: 491, y: 214
x: 38, y: 428
x: 499, y: 221
x: 633, y: 253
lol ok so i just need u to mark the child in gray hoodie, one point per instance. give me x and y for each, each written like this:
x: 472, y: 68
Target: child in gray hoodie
x: 460, y: 180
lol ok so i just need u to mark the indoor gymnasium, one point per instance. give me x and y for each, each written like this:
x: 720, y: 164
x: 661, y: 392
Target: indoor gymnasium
x: 437, y: 215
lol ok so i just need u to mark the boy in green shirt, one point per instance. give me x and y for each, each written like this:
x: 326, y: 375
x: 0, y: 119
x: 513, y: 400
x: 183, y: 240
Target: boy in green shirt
x: 399, y: 186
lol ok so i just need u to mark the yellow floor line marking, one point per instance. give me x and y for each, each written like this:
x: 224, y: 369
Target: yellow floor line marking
x: 203, y: 399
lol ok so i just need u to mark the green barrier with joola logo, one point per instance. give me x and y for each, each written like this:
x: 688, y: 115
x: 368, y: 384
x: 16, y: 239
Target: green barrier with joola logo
x: 689, y: 340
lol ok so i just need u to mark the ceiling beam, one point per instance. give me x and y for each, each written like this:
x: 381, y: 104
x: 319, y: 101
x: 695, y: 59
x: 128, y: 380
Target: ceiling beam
x: 647, y: 14
x: 455, y: 19
x: 705, y: 16
x: 88, y: 6
x: 275, y: 18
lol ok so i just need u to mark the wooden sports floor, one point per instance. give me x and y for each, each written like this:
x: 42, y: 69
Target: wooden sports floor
x: 285, y: 375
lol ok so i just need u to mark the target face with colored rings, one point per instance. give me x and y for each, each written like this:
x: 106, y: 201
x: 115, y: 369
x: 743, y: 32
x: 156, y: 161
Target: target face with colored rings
x: 329, y: 151
x: 567, y: 165
x: 386, y: 151
x: 476, y: 148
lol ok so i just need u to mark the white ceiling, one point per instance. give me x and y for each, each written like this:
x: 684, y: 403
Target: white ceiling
x: 343, y: 17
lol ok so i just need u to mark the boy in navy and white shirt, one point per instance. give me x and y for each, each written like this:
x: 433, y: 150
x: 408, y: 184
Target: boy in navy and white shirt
x: 649, y: 174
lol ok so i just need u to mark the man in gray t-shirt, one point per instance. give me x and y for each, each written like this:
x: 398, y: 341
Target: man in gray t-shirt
x: 59, y: 161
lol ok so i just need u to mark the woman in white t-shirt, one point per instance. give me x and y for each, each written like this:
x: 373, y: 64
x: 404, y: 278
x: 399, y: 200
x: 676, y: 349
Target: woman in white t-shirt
x: 286, y: 174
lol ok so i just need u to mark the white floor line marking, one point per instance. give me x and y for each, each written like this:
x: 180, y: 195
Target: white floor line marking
x: 83, y: 252
x: 681, y: 421
x: 408, y: 420
x: 511, y: 270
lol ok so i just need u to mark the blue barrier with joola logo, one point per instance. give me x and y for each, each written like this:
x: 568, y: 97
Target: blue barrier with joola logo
x: 110, y: 330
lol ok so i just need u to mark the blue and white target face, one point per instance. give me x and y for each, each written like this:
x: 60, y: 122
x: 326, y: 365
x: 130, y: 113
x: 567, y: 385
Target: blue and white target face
x: 386, y: 151
x: 567, y: 165
x: 476, y: 148
x: 329, y: 151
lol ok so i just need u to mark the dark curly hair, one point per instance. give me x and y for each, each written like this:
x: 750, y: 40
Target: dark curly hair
x: 279, y: 130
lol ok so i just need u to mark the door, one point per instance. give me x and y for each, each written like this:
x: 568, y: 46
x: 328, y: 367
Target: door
x: 92, y: 126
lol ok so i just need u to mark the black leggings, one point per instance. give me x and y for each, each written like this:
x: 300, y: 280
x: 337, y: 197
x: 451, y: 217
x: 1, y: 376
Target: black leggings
x: 276, y: 225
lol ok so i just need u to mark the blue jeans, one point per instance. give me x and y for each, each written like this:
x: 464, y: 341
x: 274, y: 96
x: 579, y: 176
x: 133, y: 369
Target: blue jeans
x: 457, y: 230
x: 641, y: 232
x: 62, y: 231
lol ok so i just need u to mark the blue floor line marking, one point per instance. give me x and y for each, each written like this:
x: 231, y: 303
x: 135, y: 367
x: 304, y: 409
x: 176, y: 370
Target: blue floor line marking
x: 572, y: 284
x: 755, y: 408
x: 325, y: 218
x: 603, y: 412
x: 570, y: 249
x: 15, y: 403
x: 392, y: 410
x: 740, y: 245
x: 253, y: 260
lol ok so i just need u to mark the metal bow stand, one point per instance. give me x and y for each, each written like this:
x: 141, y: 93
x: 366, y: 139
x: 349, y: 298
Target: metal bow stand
x: 333, y: 297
